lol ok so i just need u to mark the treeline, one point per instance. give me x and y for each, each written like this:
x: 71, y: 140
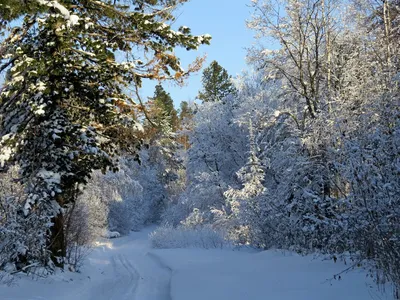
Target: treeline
x: 305, y: 154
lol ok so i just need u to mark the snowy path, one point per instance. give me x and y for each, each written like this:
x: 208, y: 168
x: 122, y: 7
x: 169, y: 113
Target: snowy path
x: 128, y: 269
x: 133, y: 273
x: 119, y: 269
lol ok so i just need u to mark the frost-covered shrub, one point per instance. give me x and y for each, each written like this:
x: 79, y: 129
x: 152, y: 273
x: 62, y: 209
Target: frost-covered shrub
x: 6, y: 278
x: 370, y: 165
x: 115, y: 200
x: 82, y: 228
x: 175, y: 213
x: 150, y: 174
x: 93, y: 206
x: 127, y: 211
x: 168, y: 237
x: 194, y: 220
x: 22, y: 239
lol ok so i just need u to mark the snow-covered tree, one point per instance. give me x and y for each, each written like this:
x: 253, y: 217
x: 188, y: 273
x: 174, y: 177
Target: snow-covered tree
x: 63, y: 109
x: 322, y: 173
x: 245, y: 203
x: 304, y: 31
x: 215, y: 154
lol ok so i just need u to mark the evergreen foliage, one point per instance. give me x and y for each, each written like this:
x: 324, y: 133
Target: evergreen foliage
x: 217, y: 84
x: 162, y: 109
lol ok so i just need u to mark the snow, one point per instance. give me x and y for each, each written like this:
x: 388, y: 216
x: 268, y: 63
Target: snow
x: 127, y: 268
x: 267, y: 52
x: 272, y: 275
x: 40, y: 110
x: 49, y: 176
x: 111, y: 234
x: 5, y: 155
x: 71, y: 19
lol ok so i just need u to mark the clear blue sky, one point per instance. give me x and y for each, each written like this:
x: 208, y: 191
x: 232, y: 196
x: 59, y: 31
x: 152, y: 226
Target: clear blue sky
x: 224, y: 20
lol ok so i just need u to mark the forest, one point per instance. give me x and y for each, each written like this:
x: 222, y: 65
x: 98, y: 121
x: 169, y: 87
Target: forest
x: 300, y: 152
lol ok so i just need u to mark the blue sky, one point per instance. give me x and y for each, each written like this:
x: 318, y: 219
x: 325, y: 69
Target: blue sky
x: 225, y: 21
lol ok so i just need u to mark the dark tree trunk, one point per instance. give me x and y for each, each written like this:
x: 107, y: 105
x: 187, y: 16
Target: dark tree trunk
x: 58, y: 245
x: 58, y: 242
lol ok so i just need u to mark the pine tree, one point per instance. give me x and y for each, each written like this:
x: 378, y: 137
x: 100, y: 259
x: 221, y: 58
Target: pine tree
x: 216, y: 84
x: 162, y: 108
x: 246, y: 203
x: 185, y: 111
x: 63, y: 109
x: 185, y: 124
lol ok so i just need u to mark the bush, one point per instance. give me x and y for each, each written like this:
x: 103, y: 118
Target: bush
x: 80, y: 234
x: 22, y: 239
x: 115, y: 201
x: 168, y: 237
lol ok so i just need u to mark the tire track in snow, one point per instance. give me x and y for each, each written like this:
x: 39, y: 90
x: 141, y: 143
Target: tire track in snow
x: 158, y: 260
x: 162, y: 265
x: 120, y: 284
x: 133, y: 274
x: 155, y: 278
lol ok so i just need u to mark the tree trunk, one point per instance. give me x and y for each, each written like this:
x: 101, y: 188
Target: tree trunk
x: 387, y: 22
x: 58, y: 242
x: 57, y: 246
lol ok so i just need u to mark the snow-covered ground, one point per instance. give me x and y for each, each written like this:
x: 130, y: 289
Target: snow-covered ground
x: 127, y: 268
x: 268, y: 275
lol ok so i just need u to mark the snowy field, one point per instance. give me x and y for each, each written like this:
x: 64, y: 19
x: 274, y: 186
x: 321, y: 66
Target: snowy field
x: 127, y: 268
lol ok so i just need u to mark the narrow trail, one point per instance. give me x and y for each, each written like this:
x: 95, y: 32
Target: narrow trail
x: 118, y: 269
x: 128, y: 279
x: 137, y: 273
